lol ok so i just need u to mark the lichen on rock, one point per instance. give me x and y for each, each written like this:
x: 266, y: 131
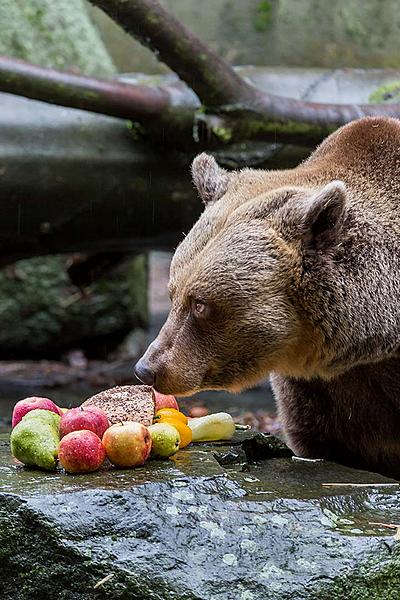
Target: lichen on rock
x: 388, y: 93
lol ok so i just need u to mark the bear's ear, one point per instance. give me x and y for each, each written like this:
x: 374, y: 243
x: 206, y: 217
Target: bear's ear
x: 325, y: 211
x: 210, y: 179
x: 318, y: 218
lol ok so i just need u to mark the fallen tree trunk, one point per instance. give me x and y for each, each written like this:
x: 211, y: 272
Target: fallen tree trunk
x: 75, y: 181
x: 72, y: 181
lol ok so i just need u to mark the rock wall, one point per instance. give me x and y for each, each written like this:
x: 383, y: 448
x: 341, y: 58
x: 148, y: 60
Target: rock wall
x: 41, y: 312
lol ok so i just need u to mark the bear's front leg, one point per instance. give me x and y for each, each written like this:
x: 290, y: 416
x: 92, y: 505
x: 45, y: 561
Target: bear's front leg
x: 309, y: 419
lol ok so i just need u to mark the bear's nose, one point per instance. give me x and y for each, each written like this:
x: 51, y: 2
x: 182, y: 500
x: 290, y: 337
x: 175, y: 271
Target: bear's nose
x: 144, y: 373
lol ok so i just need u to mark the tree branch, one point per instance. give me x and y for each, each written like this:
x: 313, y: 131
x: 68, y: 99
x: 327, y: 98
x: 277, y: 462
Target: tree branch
x: 285, y: 120
x: 171, y: 112
x: 103, y: 96
x: 238, y: 110
x: 213, y: 80
x: 235, y: 110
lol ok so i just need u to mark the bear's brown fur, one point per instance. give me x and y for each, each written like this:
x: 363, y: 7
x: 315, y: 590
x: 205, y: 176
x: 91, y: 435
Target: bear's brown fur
x: 296, y: 274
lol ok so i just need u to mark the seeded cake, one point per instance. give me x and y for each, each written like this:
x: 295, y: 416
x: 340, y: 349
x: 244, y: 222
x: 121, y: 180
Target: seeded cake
x: 126, y: 403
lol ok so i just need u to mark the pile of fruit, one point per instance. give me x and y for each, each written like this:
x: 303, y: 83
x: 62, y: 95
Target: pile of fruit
x: 126, y: 425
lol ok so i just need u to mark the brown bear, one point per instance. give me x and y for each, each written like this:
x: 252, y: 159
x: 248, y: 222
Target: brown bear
x: 296, y: 274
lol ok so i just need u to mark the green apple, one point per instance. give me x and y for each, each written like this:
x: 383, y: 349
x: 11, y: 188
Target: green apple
x: 165, y: 440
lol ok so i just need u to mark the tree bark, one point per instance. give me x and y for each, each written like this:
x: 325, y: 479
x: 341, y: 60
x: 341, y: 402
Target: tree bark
x: 207, y: 74
x: 79, y: 91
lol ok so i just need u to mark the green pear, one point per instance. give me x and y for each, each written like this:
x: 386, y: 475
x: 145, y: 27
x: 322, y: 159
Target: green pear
x: 35, y: 439
x: 47, y: 416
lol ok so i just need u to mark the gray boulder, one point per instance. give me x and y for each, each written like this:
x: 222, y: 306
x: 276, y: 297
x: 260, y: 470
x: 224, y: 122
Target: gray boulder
x: 191, y: 529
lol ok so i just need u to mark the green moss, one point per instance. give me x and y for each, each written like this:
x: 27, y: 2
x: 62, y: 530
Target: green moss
x: 263, y: 17
x: 377, y: 580
x: 388, y: 93
x: 223, y: 134
x: 153, y: 19
x: 253, y: 126
x: 136, y: 130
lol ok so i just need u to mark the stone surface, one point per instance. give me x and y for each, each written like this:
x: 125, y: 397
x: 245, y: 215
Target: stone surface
x: 189, y: 528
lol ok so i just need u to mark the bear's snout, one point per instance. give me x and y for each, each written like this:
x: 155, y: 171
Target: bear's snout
x: 151, y: 367
x: 144, y: 373
x: 165, y: 367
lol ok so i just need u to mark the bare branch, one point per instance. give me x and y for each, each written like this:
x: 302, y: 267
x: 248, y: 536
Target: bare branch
x: 171, y: 112
x: 77, y: 91
x: 213, y: 80
x: 238, y: 110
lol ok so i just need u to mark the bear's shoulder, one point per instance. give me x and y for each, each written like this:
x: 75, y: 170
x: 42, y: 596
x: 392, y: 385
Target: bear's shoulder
x: 369, y: 139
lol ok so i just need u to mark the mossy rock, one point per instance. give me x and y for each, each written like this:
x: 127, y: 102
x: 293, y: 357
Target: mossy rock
x: 53, y: 34
x: 42, y: 312
x: 189, y: 529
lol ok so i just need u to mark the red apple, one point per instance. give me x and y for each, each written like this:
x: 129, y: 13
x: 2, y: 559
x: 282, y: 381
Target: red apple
x: 127, y: 444
x: 91, y: 418
x: 27, y: 404
x: 81, y: 452
x: 162, y: 401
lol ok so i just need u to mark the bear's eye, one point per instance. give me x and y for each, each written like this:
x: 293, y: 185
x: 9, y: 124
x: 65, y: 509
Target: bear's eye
x: 199, y: 307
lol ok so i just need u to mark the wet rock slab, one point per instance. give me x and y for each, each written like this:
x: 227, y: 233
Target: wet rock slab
x: 192, y: 528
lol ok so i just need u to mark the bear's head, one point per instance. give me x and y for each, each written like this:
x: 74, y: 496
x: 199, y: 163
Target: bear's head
x: 236, y: 314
